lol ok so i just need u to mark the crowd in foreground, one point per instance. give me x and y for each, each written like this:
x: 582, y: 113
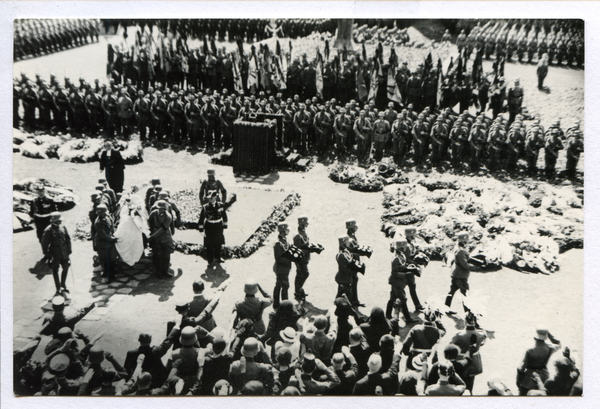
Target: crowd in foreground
x: 337, y: 354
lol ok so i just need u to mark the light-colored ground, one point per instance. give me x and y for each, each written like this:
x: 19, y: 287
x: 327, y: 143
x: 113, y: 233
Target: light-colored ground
x: 515, y: 302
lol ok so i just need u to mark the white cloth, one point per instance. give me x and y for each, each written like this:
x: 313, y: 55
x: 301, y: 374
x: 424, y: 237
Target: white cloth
x: 133, y: 222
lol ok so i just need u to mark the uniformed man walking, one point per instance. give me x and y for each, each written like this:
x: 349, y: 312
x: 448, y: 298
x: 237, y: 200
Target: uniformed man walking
x: 213, y: 220
x: 56, y: 244
x: 161, y: 239
x: 303, y: 243
x: 461, y: 269
x: 40, y: 210
x: 401, y: 267
x: 282, y: 266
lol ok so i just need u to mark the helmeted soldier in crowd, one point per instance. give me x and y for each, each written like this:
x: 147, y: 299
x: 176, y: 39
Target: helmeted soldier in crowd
x: 477, y: 144
x: 552, y: 145
x: 342, y: 126
x: 419, y: 134
x: 159, y: 115
x: 533, y: 143
x: 363, y: 130
x: 515, y: 101
x: 176, y: 111
x: 161, y: 239
x: 302, y: 123
x: 141, y: 109
x: 110, y: 107
x: 381, y: 134
x: 227, y: 115
x: 401, y: 267
x: 210, y: 116
x: 322, y: 123
x: 439, y: 138
x: 574, y: 149
x: 515, y: 143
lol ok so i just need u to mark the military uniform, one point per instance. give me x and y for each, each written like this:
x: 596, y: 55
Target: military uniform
x: 381, y: 134
x: 574, y: 149
x: 459, y: 136
x: 281, y: 268
x: 419, y: 135
x: 228, y: 114
x: 347, y: 269
x: 159, y: 113
x: 342, y: 125
x: 210, y: 115
x: 104, y: 243
x: 161, y: 241
x: 552, y: 145
x: 514, y: 146
x: 533, y: 144
x: 141, y: 108
x: 495, y: 145
x: 93, y: 104
x: 213, y: 219
x: 178, y: 121
x: 302, y: 122
x: 439, y: 138
x: 477, y: 141
x: 40, y: 210
x: 110, y: 106
x: 302, y: 242
x: 56, y: 244
x: 398, y: 281
x: 363, y: 129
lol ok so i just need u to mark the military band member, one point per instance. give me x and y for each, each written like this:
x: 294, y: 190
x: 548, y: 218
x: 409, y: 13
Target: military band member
x: 303, y: 243
x: 282, y: 266
x: 461, y: 269
x: 347, y: 268
x: 357, y: 251
x: 411, y: 235
x: 401, y: 268
x: 363, y: 130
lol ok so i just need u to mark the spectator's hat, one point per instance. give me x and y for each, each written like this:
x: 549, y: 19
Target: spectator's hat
x: 188, y: 336
x: 386, y: 342
x: 451, y: 351
x: 337, y: 358
x: 58, y: 301
x: 288, y: 334
x: 198, y: 286
x: 251, y: 347
x: 59, y: 363
x: 219, y: 345
x: 417, y: 363
x: 251, y: 287
x: 145, y: 380
x: 223, y: 388
x: 96, y: 355
x: 541, y: 333
x: 309, y: 365
x: 284, y: 356
x: 374, y: 363
x: 161, y: 203
x: 145, y: 339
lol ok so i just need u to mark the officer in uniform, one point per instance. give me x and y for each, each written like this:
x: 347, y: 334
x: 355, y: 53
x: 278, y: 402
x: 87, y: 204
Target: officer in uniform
x: 104, y: 240
x: 227, y: 115
x: 213, y: 219
x: 210, y: 116
x: 439, y: 138
x: 77, y: 102
x: 347, y: 268
x: 461, y: 269
x: 552, y: 145
x: 357, y: 251
x: 515, y: 142
x: 401, y: 267
x: 574, y: 149
x: 459, y: 136
x: 46, y: 106
x: 411, y: 234
x: 161, y: 239
x: 342, y: 125
x: 533, y: 144
x: 515, y: 101
x: 302, y: 122
x: 56, y: 244
x: 495, y: 144
x: 419, y: 135
x: 93, y: 105
x: 282, y: 266
x: 477, y: 141
x: 303, y: 243
x: 192, y: 115
x: 363, y: 129
x: 40, y: 210
x: 141, y: 109
x: 61, y: 317
x: 159, y: 114
x: 110, y: 108
x: 176, y: 112
x: 212, y: 184
x: 288, y: 125
x: 322, y: 123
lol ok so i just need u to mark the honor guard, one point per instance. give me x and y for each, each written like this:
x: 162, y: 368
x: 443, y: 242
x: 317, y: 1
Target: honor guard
x: 213, y: 220
x: 357, y: 251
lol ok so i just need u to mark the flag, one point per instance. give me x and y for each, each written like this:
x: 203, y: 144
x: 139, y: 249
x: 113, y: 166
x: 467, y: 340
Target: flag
x: 375, y: 80
x: 326, y: 50
x: 253, y: 72
x: 279, y: 74
x: 393, y: 92
x: 237, y: 76
x: 440, y: 79
x: 213, y: 47
x: 291, y: 48
x: 265, y: 68
x: 459, y: 69
x: 360, y: 84
x: 319, y: 74
x: 364, y: 53
x: 450, y: 66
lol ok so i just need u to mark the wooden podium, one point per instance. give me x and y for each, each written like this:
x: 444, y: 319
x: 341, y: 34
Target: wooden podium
x: 253, y: 147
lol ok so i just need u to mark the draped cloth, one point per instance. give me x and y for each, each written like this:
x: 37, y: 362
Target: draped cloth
x: 133, y: 223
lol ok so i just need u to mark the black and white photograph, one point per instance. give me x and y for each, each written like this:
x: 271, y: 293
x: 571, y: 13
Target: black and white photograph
x: 326, y: 206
